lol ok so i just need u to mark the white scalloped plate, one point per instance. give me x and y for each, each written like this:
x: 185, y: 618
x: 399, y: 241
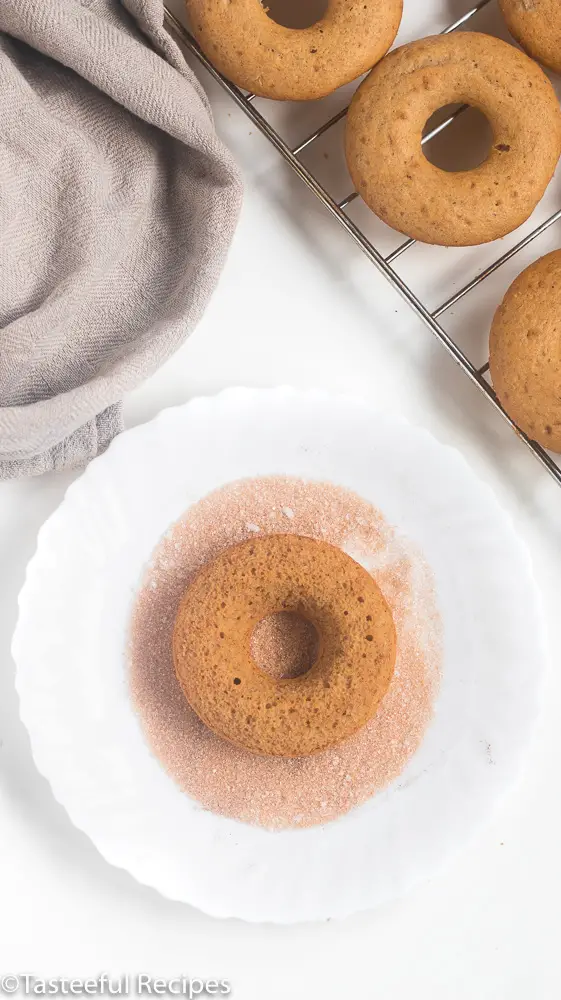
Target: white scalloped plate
x: 70, y: 640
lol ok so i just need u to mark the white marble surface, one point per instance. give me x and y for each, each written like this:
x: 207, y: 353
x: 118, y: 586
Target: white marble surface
x: 298, y: 304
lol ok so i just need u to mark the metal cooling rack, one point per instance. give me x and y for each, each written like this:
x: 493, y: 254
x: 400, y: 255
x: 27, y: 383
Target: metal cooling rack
x: 384, y: 264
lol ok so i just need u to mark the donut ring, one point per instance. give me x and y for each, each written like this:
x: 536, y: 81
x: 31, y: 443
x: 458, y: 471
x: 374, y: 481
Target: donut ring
x: 386, y: 120
x: 290, y: 64
x: 291, y: 717
x: 525, y: 348
x: 536, y: 24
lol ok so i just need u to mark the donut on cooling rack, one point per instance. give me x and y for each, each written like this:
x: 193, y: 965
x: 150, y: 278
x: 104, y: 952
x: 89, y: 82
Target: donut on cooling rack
x: 290, y: 64
x: 536, y: 24
x: 385, y: 125
x: 525, y: 351
x: 290, y: 717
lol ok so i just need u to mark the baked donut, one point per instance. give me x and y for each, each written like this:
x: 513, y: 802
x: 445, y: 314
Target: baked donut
x: 536, y: 24
x: 385, y: 125
x: 525, y: 351
x: 291, y: 64
x: 290, y: 717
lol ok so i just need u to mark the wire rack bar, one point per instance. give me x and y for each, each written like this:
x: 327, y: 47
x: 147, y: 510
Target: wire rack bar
x: 496, y: 264
x: 347, y: 201
x: 447, y: 121
x: 474, y: 374
x: 465, y: 17
x: 400, y: 249
x: 315, y: 135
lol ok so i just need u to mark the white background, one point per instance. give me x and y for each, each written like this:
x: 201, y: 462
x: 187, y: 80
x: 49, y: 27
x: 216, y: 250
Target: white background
x: 298, y: 304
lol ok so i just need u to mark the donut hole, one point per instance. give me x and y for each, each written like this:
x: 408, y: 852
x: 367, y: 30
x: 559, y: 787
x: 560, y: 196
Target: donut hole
x: 295, y: 13
x: 462, y: 145
x: 284, y: 644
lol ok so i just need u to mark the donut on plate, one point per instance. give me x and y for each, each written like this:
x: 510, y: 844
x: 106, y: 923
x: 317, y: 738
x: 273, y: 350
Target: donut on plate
x: 385, y: 125
x: 296, y: 716
x: 536, y: 24
x: 525, y: 351
x: 294, y: 64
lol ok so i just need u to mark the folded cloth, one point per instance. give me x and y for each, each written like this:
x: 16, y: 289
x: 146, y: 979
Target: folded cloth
x: 117, y: 206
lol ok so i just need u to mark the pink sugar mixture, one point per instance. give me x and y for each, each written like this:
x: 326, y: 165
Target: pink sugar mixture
x: 276, y: 792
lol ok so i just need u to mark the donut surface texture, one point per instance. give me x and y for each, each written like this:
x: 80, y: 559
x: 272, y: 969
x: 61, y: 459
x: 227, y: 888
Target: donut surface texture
x: 525, y: 351
x: 294, y: 64
x: 290, y: 717
x: 536, y: 24
x: 391, y: 108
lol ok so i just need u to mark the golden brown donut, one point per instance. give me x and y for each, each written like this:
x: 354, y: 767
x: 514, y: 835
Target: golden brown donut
x: 291, y: 64
x: 386, y: 121
x: 525, y: 351
x: 536, y: 24
x: 290, y: 717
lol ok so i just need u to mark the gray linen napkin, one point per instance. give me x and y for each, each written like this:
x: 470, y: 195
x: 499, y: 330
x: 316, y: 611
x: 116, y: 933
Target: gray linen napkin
x: 117, y: 206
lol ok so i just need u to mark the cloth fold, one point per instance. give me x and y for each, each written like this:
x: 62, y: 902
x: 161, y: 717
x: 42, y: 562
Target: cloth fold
x: 117, y: 206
